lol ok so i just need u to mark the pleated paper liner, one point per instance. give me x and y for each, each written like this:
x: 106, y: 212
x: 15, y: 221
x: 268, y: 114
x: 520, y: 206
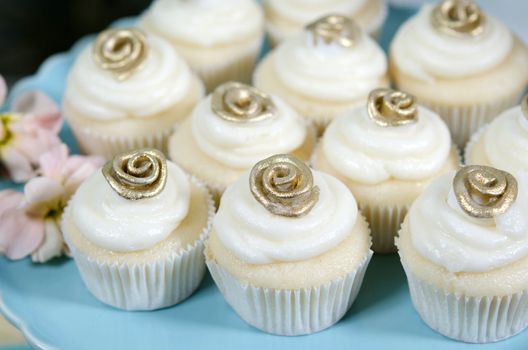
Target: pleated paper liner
x: 92, y: 142
x: 290, y: 311
x: 464, y: 121
x: 471, y: 319
x: 146, y: 285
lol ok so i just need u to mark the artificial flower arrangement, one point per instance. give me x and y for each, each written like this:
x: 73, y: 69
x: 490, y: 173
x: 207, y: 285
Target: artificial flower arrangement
x: 32, y: 152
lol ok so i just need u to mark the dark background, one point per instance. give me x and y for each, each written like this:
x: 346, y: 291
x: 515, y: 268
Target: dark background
x: 32, y: 30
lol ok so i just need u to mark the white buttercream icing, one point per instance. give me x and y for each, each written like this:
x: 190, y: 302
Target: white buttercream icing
x: 368, y: 153
x: 119, y: 224
x: 242, y: 144
x: 256, y: 236
x: 206, y: 22
x: 443, y: 233
x: 305, y: 11
x: 506, y: 141
x: 331, y: 72
x: 162, y: 81
x: 425, y: 53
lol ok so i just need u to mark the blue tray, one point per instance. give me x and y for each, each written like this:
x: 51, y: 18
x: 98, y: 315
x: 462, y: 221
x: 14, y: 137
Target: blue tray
x: 51, y: 306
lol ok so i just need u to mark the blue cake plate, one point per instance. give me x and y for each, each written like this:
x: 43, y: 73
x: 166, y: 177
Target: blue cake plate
x: 51, y: 306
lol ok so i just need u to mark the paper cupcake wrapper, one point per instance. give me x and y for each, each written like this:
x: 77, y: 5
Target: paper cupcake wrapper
x: 470, y: 319
x: 384, y: 224
x: 466, y: 120
x: 239, y: 69
x: 147, y: 285
x: 92, y: 142
x: 290, y: 311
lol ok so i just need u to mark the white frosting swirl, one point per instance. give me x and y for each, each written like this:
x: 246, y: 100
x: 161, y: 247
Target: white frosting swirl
x: 368, y: 153
x: 206, y: 22
x: 425, y: 53
x: 242, y: 144
x: 331, y: 72
x: 506, y: 141
x: 116, y: 223
x: 305, y: 11
x: 161, y: 82
x: 256, y: 236
x: 443, y: 233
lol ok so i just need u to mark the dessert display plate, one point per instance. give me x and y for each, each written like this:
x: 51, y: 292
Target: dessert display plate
x: 53, y: 309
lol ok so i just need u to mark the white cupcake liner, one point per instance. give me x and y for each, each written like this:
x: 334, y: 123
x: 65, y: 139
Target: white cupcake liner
x: 482, y: 319
x: 239, y: 70
x: 147, y: 285
x: 384, y: 222
x: 290, y: 311
x: 92, y: 142
x: 463, y: 121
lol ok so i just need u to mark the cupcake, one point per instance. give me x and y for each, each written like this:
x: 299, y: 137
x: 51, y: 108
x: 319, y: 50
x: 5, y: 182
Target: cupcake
x: 286, y: 18
x: 126, y: 91
x: 232, y: 129
x: 330, y: 67
x: 386, y: 153
x: 461, y: 63
x: 220, y: 39
x: 288, y: 248
x: 136, y: 230
x: 503, y: 143
x: 464, y: 247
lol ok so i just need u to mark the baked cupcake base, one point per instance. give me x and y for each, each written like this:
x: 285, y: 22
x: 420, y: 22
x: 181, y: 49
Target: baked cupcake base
x: 184, y: 151
x: 319, y: 112
x: 383, y: 205
x: 466, y: 104
x: 470, y: 307
x: 293, y: 298
x: 108, y: 138
x: 158, y: 277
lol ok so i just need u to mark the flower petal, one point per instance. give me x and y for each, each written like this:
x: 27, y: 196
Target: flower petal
x: 17, y: 164
x: 20, y: 234
x: 41, y: 108
x: 53, y: 243
x: 52, y: 162
x: 42, y: 194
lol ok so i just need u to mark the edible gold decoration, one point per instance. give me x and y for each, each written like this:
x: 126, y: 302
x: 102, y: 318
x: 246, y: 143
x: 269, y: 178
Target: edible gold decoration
x: 335, y: 29
x: 237, y: 102
x: 284, y: 185
x: 458, y: 17
x: 138, y: 174
x: 389, y: 107
x: 483, y: 191
x: 524, y: 106
x: 120, y: 51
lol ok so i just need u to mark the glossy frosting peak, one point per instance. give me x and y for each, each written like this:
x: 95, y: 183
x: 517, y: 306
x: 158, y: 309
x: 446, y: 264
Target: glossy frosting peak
x: 205, y: 22
x: 161, y: 82
x: 331, y: 72
x: 363, y: 151
x: 241, y: 144
x: 255, y: 235
x: 506, y: 141
x: 123, y: 225
x: 426, y: 53
x: 443, y: 233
